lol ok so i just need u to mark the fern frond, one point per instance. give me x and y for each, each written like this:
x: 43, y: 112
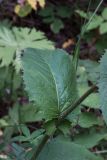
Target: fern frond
x: 14, y: 38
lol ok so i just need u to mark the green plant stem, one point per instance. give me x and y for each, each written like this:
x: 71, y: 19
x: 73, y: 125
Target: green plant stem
x: 61, y: 118
x: 77, y: 103
x: 77, y: 48
x: 94, y: 14
x: 83, y: 30
x: 12, y: 80
x: 40, y: 147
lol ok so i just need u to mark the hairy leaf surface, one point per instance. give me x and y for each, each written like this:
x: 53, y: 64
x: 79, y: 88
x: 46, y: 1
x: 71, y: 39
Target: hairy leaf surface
x: 103, y: 85
x: 50, y: 79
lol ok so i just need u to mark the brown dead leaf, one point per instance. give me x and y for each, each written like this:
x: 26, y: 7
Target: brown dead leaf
x: 68, y: 43
x: 34, y: 3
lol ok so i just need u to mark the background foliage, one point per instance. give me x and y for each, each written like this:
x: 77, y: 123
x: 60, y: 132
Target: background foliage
x: 43, y: 26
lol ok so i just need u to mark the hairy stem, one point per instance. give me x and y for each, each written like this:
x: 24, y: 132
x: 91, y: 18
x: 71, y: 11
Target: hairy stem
x: 61, y: 118
x: 77, y: 103
x: 40, y: 147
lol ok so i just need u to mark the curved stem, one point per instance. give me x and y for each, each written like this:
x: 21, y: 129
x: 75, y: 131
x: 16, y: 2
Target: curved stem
x: 61, y: 118
x: 77, y: 103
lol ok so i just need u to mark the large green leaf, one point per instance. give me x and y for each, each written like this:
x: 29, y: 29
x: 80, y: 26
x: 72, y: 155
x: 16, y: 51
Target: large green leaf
x: 64, y: 150
x: 103, y: 85
x: 19, y: 38
x: 50, y: 80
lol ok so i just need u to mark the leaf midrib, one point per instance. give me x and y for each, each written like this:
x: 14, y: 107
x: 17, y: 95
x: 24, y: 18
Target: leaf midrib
x: 46, y: 78
x: 56, y: 88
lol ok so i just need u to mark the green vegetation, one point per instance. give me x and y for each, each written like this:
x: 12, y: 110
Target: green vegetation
x: 53, y: 86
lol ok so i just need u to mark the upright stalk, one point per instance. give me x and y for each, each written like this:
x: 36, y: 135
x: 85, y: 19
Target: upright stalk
x: 83, y: 30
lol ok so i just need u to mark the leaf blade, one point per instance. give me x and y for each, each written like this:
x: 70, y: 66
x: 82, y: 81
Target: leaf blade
x: 61, y: 150
x: 54, y: 79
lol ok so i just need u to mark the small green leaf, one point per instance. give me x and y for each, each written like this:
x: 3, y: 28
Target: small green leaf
x: 95, y: 23
x: 20, y: 139
x: 3, y: 122
x: 49, y: 20
x: 92, y: 101
x: 57, y: 25
x: 89, y: 140
x: 101, y: 44
x: 88, y: 119
x: 37, y: 133
x: 103, y: 28
x: 104, y: 13
x: 25, y: 130
x: 64, y: 11
x: 23, y: 11
x: 47, y: 12
x: 65, y: 127
x: 82, y: 14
